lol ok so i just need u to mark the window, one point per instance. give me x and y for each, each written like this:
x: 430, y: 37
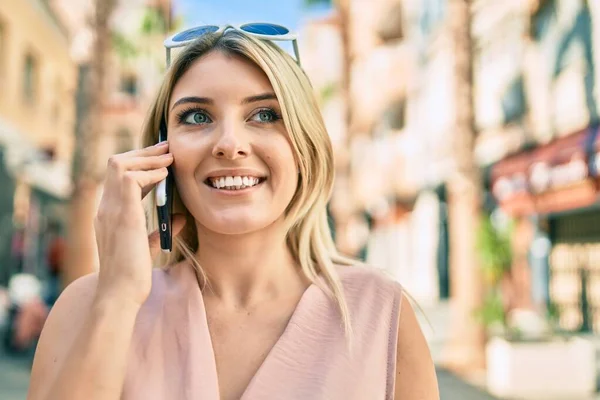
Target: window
x: 30, y: 78
x: 129, y: 85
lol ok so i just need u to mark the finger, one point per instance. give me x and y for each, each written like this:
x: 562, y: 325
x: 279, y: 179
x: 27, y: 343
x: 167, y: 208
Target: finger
x: 156, y: 150
x: 147, y: 178
x: 154, y: 238
x: 147, y: 163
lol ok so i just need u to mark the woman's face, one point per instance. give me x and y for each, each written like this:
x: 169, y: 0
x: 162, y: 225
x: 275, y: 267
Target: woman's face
x: 233, y: 162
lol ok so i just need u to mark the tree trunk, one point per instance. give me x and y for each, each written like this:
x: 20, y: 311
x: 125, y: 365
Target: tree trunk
x: 466, y: 348
x: 81, y: 249
x: 344, y: 172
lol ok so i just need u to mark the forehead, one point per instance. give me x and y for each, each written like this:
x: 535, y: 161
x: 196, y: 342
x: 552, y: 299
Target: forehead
x: 217, y: 74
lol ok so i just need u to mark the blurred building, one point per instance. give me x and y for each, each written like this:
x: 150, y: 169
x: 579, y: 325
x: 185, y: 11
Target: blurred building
x: 388, y: 208
x: 535, y: 99
x: 136, y: 64
x: 37, y: 115
x: 549, y: 182
x: 45, y: 50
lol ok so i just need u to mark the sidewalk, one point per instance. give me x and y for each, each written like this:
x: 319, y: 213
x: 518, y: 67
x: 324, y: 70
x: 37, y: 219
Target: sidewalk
x: 453, y: 388
x: 14, y: 377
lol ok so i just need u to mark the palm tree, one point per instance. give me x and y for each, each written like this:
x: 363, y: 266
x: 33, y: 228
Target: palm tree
x: 344, y: 171
x: 87, y: 172
x: 81, y: 256
x: 467, y: 343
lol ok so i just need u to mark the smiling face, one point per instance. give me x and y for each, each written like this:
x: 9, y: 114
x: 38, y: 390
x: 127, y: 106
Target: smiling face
x: 233, y: 162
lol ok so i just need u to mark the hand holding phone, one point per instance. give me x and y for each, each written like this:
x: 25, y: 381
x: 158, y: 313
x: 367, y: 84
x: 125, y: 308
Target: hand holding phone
x: 163, y: 201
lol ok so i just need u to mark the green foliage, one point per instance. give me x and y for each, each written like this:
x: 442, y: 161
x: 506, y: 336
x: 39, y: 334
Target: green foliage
x: 495, y: 255
x: 153, y: 22
x: 492, y: 314
x: 494, y: 249
x: 123, y: 47
x: 327, y: 92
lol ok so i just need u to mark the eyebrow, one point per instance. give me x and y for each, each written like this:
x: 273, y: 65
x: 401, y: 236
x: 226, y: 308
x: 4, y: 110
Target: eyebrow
x: 206, y: 100
x: 260, y: 97
x: 192, y: 99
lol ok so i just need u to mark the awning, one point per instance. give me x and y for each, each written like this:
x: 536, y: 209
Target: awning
x: 25, y: 160
x: 559, y: 176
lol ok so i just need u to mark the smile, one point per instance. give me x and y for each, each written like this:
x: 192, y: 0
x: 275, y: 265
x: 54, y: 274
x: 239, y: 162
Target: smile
x: 234, y: 182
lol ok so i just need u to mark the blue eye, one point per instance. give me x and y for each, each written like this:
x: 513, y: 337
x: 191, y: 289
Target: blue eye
x: 266, y: 116
x: 196, y: 118
x: 193, y: 116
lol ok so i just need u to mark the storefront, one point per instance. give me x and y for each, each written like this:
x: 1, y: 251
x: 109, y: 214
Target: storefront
x: 557, y: 186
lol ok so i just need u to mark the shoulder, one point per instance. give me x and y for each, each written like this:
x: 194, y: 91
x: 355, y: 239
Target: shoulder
x: 415, y: 375
x: 60, y: 329
x: 68, y: 315
x: 377, y: 300
x: 75, y: 302
x: 373, y: 298
x: 364, y: 280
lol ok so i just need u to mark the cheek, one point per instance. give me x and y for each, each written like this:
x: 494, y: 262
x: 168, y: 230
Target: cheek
x: 187, y: 155
x: 284, y: 169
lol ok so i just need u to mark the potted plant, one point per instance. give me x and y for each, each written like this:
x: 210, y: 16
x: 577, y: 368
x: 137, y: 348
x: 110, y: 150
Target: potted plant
x: 526, y: 358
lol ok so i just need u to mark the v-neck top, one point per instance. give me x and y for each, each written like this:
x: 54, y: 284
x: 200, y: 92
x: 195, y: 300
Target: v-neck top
x: 171, y: 354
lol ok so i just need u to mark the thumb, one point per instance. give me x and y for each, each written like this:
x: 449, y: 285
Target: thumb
x: 179, y: 222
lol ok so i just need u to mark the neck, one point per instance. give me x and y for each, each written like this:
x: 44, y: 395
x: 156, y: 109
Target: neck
x: 245, y: 269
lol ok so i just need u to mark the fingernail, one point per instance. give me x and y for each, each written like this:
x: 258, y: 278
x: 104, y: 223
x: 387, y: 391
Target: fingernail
x: 163, y: 143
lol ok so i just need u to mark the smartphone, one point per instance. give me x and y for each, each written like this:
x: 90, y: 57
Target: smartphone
x: 164, y: 197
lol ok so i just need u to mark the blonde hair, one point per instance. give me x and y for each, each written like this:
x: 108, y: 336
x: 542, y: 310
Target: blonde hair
x: 309, y: 237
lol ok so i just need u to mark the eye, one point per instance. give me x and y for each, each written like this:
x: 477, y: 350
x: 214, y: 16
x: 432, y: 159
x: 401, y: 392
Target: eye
x: 265, y: 116
x: 194, y: 117
x: 197, y: 117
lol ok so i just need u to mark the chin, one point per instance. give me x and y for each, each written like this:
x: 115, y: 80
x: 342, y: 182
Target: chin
x: 232, y: 224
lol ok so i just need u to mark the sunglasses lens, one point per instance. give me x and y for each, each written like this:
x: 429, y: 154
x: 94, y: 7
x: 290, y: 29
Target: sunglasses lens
x: 194, y: 33
x: 265, y: 29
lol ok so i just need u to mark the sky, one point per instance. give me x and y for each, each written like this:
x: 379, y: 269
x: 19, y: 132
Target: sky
x: 289, y: 13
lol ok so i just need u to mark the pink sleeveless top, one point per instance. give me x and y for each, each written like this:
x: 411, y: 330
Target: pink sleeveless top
x: 172, y: 355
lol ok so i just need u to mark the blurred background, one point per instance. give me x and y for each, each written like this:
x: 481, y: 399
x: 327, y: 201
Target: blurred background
x: 467, y: 162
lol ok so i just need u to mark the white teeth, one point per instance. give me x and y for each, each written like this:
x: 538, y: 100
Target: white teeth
x: 234, y: 182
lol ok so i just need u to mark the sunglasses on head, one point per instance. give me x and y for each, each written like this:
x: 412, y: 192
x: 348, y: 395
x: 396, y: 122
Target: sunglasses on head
x: 260, y: 30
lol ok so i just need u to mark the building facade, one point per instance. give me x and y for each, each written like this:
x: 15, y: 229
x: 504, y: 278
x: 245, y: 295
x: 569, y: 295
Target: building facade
x: 37, y: 115
x: 550, y: 183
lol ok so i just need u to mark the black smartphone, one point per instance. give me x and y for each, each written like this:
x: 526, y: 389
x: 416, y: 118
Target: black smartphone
x: 164, y: 200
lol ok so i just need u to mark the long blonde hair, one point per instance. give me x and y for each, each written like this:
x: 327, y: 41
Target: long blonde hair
x: 309, y: 237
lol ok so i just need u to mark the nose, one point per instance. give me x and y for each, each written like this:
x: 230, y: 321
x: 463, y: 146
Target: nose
x: 231, y: 144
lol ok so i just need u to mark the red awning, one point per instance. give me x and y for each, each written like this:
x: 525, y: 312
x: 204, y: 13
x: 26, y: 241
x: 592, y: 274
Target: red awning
x: 550, y: 178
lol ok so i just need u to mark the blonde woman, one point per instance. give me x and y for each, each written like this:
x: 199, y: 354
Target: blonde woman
x: 255, y: 302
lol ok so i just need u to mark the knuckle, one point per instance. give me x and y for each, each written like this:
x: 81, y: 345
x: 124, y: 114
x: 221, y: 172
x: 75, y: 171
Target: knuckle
x: 114, y: 162
x: 101, y: 216
x: 129, y: 179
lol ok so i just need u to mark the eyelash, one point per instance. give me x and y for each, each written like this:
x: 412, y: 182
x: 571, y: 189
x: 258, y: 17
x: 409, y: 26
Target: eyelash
x: 274, y: 114
x: 183, y: 114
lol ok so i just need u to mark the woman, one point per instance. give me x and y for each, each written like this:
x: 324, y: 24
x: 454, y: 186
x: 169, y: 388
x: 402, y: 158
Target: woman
x: 256, y: 303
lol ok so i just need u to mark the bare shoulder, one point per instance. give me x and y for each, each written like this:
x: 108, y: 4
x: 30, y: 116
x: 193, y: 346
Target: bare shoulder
x: 64, y: 323
x: 415, y: 371
x: 61, y: 327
